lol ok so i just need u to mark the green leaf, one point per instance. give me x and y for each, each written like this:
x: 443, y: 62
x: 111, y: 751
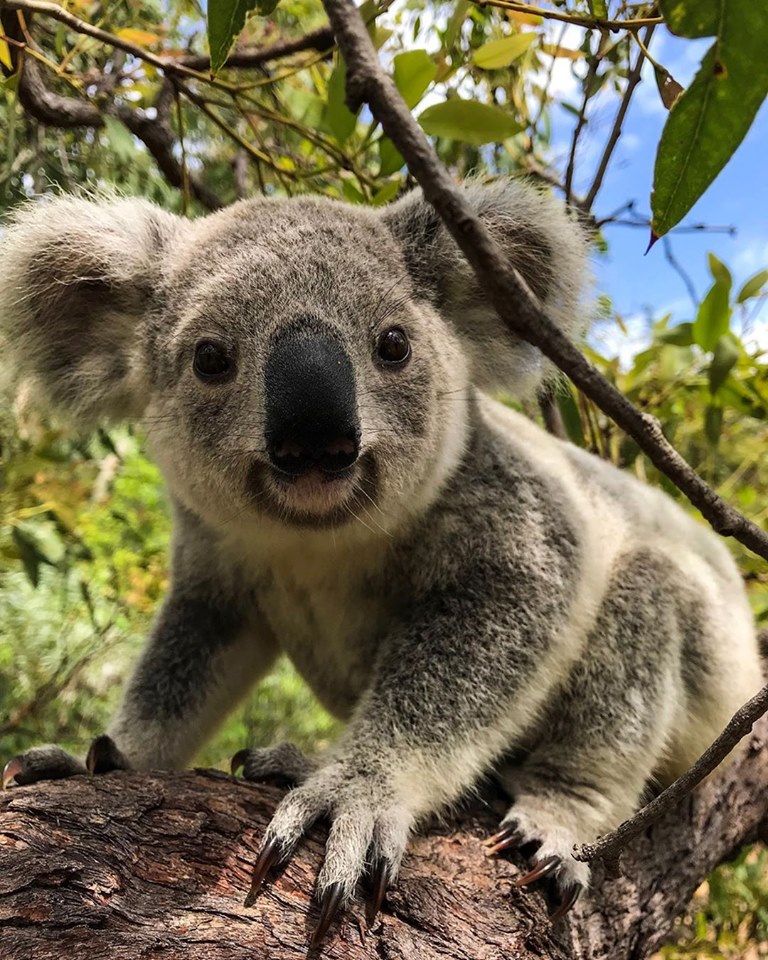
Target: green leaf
x: 469, y: 121
x: 388, y: 192
x: 719, y: 270
x: 226, y: 19
x: 569, y: 411
x: 692, y: 18
x: 713, y: 424
x: 453, y: 29
x: 753, y: 286
x: 713, y: 317
x: 390, y: 158
x: 725, y: 356
x: 709, y: 121
x: 599, y: 9
x: 413, y: 73
x: 500, y: 53
x: 680, y: 335
x: 339, y: 118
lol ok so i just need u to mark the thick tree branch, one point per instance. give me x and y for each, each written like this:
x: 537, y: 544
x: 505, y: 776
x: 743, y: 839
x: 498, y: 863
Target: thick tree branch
x: 367, y: 81
x: 158, y: 865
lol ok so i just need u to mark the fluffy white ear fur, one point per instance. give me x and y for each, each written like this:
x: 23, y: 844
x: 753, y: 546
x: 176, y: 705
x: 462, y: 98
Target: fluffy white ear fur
x: 544, y: 243
x: 79, y: 279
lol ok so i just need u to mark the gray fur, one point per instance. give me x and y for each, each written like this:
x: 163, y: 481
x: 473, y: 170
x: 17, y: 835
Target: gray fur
x: 473, y: 589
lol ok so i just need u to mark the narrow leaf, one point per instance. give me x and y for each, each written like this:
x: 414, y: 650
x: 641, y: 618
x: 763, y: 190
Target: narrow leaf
x: 339, y: 118
x: 226, y: 19
x: 469, y: 121
x: 680, y: 335
x: 753, y: 286
x: 713, y: 424
x: 712, y: 117
x: 390, y: 158
x: 719, y: 270
x: 500, y: 53
x: 714, y: 315
x: 599, y: 9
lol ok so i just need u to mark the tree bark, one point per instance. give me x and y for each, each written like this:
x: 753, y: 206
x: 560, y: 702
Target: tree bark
x: 156, y: 866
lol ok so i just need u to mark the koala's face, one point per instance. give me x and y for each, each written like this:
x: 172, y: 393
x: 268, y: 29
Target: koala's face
x: 298, y: 374
x: 301, y: 360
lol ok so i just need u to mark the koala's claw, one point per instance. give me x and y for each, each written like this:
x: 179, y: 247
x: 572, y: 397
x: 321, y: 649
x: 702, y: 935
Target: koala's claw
x: 11, y: 770
x: 379, y: 884
x: 330, y: 902
x: 40, y: 763
x: 270, y: 855
x: 570, y: 895
x: 539, y: 870
x: 103, y: 756
x: 507, y: 839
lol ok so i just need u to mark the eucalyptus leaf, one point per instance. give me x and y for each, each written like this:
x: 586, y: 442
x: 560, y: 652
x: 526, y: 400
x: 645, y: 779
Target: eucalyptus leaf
x: 713, y: 317
x: 469, y: 121
x: 753, y: 286
x: 710, y: 119
x: 500, y: 53
x: 725, y: 356
x: 226, y: 19
x: 414, y: 70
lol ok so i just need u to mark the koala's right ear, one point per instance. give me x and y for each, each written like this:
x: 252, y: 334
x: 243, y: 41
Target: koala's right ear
x: 79, y: 280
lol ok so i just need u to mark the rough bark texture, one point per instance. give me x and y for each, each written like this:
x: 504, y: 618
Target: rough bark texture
x: 156, y: 866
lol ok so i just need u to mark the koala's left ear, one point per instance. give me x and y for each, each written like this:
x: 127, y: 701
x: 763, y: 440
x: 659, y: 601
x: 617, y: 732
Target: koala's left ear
x: 543, y: 243
x: 79, y: 281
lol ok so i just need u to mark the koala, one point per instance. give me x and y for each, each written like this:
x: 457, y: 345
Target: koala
x: 473, y: 596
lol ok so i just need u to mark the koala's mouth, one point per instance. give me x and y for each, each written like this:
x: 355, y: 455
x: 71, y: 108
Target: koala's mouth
x: 315, y: 498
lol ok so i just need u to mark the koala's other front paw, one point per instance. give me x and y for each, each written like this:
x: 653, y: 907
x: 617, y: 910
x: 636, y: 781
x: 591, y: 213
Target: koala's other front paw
x: 50, y: 762
x: 284, y: 764
x: 550, y: 847
x: 369, y: 828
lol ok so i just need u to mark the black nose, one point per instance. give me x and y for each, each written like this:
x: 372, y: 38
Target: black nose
x: 311, y: 406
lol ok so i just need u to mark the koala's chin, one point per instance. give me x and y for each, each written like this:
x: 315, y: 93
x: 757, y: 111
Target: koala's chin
x: 315, y: 497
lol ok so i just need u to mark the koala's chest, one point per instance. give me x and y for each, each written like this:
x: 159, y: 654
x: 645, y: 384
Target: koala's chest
x: 329, y: 621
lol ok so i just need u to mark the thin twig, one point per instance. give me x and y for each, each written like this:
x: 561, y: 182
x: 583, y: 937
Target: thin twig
x: 510, y: 295
x: 588, y: 82
x: 610, y: 846
x: 680, y: 271
x: 574, y: 18
x: 633, y: 78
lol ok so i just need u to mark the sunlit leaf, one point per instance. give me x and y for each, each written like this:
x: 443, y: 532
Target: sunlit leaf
x: 500, y: 53
x: 556, y: 50
x: 141, y: 38
x: 709, y: 121
x: 599, y: 9
x: 680, y: 335
x: 457, y: 18
x: 390, y: 158
x: 753, y: 286
x: 5, y: 53
x: 725, y: 356
x: 713, y: 317
x: 719, y: 270
x: 414, y: 70
x: 469, y: 121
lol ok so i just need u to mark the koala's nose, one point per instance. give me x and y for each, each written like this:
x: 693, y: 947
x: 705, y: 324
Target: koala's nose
x: 311, y: 404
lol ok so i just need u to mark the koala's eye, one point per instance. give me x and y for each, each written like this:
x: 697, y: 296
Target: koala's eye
x: 393, y: 347
x: 212, y: 361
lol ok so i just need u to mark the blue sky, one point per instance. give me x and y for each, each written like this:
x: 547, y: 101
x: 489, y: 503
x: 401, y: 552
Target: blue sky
x: 739, y: 197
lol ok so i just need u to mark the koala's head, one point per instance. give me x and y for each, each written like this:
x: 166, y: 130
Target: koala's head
x: 299, y: 359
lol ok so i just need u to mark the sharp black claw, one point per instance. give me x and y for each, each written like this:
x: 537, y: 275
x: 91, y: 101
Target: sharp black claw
x: 506, y: 839
x: 11, y: 770
x: 570, y: 895
x: 271, y: 852
x: 329, y: 906
x: 103, y: 756
x: 379, y: 882
x: 540, y: 870
x: 238, y: 761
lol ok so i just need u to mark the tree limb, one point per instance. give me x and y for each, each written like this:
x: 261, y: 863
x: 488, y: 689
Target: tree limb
x: 157, y: 866
x: 513, y: 300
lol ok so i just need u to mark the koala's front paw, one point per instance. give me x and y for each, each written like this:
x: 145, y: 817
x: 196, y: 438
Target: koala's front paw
x: 369, y: 827
x: 52, y: 763
x: 551, y: 847
x: 284, y: 764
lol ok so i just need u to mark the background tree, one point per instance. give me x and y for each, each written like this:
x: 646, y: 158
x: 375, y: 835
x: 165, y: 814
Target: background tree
x: 123, y: 95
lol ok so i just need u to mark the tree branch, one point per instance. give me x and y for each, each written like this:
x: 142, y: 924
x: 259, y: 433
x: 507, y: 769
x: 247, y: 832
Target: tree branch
x: 513, y: 300
x: 573, y: 18
x: 633, y: 79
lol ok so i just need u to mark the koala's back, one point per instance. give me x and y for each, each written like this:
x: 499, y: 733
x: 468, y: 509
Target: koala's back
x: 634, y: 534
